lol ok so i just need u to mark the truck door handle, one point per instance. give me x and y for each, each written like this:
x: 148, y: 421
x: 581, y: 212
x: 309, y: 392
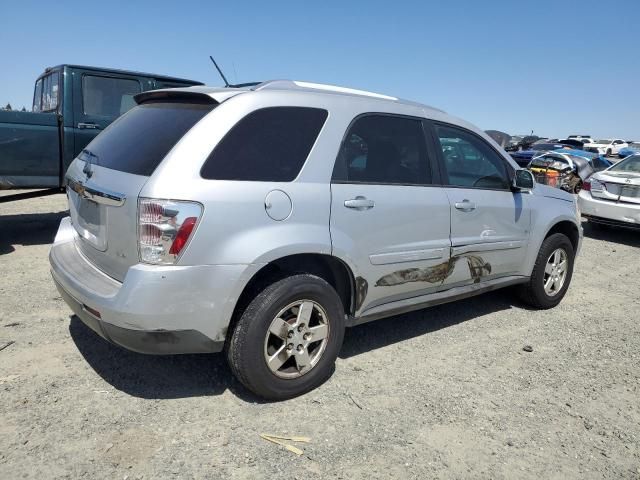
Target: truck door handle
x: 465, y: 205
x: 91, y: 126
x: 359, y: 203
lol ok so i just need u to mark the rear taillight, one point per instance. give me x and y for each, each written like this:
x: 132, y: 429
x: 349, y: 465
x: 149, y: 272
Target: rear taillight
x: 164, y: 228
x: 586, y: 186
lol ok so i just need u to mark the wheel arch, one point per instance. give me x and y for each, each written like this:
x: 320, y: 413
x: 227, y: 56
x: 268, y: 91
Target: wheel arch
x: 567, y: 228
x: 332, y: 269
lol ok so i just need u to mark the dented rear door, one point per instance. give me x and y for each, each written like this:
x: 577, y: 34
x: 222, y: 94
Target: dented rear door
x: 388, y: 219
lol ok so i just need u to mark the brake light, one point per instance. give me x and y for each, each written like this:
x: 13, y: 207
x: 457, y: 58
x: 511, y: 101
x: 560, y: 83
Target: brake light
x: 586, y: 186
x: 164, y: 229
x: 183, y: 235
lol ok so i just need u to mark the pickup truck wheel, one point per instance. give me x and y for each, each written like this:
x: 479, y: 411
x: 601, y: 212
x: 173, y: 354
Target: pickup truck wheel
x: 288, y: 338
x: 551, y: 274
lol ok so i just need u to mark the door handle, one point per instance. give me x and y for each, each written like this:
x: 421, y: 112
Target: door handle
x: 359, y: 203
x: 465, y: 205
x: 91, y: 126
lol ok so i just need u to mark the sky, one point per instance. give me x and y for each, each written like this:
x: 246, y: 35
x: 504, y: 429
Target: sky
x: 552, y: 67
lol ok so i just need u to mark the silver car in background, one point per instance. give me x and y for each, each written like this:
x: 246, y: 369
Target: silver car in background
x: 262, y: 221
x: 612, y: 197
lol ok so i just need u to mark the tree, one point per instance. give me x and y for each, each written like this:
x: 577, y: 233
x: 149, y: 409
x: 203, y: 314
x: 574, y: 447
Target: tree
x: 23, y: 109
x: 8, y: 107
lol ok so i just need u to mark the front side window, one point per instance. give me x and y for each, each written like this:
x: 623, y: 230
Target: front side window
x: 268, y: 145
x: 108, y: 97
x: 383, y: 149
x: 469, y: 161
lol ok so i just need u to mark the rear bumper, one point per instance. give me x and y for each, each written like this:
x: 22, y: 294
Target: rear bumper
x: 156, y: 309
x: 608, y: 212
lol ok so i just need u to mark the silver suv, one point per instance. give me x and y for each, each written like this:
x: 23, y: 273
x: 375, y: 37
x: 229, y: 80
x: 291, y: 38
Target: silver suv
x: 262, y: 221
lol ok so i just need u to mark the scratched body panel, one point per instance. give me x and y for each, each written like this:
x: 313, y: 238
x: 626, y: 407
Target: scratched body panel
x: 407, y: 229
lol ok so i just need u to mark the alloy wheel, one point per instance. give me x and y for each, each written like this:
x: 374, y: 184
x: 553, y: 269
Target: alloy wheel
x: 555, y: 272
x: 296, y: 339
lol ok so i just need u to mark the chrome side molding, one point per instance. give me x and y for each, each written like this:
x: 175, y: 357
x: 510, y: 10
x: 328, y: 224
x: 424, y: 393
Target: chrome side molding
x: 97, y: 195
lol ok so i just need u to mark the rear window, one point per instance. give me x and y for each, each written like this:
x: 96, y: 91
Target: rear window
x: 138, y: 141
x: 268, y: 145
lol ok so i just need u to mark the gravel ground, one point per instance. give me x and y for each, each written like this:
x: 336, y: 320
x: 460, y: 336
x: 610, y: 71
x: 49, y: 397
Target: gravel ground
x: 447, y: 392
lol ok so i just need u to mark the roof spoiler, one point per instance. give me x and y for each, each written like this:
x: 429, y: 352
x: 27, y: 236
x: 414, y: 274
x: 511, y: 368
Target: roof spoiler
x: 176, y: 96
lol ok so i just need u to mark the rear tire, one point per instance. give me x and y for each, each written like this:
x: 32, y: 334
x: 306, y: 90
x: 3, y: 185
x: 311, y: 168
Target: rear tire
x: 309, y: 308
x: 545, y: 272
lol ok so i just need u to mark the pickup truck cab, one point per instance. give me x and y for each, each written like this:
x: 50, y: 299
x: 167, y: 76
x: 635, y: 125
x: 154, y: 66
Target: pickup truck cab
x: 71, y: 105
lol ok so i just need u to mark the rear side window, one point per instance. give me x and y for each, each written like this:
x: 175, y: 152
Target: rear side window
x: 108, y: 97
x: 269, y: 145
x: 138, y: 141
x: 383, y: 149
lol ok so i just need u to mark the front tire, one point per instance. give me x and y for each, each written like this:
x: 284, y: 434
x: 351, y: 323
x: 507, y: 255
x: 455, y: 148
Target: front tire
x: 286, y: 341
x: 551, y: 274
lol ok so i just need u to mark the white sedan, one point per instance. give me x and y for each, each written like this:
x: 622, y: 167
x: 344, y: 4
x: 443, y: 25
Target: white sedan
x: 612, y: 196
x: 606, y: 147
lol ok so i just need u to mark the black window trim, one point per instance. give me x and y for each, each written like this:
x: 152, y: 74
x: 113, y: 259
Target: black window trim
x: 436, y: 180
x: 98, y: 74
x: 509, y: 170
x: 235, y: 125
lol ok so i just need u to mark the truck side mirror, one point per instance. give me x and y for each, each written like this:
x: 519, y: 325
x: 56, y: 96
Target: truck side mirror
x: 523, y: 181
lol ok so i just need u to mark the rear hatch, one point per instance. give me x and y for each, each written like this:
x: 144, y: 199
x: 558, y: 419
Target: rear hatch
x: 105, y: 180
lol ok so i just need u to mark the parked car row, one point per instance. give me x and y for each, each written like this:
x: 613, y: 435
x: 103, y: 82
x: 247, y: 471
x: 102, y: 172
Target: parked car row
x: 567, y: 169
x: 608, y: 192
x: 608, y: 147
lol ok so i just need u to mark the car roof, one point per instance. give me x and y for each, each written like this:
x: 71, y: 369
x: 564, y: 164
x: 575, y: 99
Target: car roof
x: 118, y: 71
x: 374, y: 101
x: 296, y: 86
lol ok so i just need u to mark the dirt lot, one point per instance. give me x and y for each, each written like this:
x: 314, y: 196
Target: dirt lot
x: 442, y: 393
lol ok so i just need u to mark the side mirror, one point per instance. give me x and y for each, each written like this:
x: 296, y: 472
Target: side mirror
x: 523, y: 181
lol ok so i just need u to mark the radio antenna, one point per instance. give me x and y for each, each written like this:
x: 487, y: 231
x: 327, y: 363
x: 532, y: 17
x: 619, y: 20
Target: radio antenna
x: 224, y: 79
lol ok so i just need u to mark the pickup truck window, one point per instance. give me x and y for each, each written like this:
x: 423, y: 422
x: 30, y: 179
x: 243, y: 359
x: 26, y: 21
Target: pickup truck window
x: 107, y: 96
x: 46, y: 95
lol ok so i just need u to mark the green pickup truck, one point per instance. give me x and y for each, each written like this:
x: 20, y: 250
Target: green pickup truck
x: 71, y: 105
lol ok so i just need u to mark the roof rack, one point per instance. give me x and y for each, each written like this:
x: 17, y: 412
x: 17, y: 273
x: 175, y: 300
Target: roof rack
x: 297, y: 85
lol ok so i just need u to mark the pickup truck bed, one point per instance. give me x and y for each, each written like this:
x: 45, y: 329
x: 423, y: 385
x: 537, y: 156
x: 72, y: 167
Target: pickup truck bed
x: 29, y: 142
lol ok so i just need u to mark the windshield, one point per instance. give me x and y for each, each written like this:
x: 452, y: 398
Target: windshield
x: 629, y: 164
x: 140, y: 139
